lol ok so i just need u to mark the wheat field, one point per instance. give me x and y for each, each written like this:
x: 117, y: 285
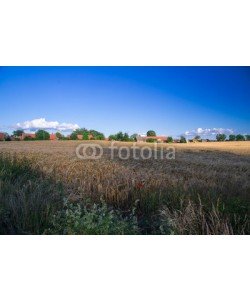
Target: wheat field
x: 46, y: 189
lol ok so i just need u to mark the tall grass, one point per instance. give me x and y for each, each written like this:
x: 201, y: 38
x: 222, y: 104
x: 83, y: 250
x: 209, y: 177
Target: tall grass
x: 51, y: 192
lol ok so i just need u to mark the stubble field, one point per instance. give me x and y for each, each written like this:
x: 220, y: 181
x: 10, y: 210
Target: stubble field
x: 46, y: 189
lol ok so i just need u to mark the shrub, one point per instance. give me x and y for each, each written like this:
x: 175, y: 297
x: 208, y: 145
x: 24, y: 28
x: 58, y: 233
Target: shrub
x: 28, y: 138
x: 76, y: 218
x: 151, y: 140
x: 170, y: 139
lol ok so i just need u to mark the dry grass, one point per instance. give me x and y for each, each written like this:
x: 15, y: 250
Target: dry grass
x: 205, y: 190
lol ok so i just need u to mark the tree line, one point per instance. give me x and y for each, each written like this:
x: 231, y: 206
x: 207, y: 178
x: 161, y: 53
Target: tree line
x: 120, y: 136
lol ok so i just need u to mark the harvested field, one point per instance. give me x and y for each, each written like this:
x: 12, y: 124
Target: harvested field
x: 46, y: 188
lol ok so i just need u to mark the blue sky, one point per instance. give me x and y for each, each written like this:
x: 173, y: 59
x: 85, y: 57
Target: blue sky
x: 170, y: 100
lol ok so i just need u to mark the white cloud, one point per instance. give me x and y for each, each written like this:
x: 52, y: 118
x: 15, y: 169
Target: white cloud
x: 43, y: 124
x: 209, y: 131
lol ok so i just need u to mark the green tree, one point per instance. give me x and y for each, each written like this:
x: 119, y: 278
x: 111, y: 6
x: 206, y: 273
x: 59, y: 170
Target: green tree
x: 133, y: 137
x: 80, y: 131
x: 220, y: 137
x: 97, y: 135
x: 247, y: 136
x: 7, y: 137
x: 42, y: 135
x: 183, y: 139
x: 85, y: 136
x: 18, y: 133
x: 60, y: 136
x: 121, y: 137
x: 151, y: 133
x: 197, y: 137
x: 126, y: 137
x: 240, y: 137
x: 232, y: 137
x: 113, y: 137
x: 170, y: 139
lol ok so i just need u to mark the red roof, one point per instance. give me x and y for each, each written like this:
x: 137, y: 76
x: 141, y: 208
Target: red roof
x: 2, y: 136
x: 30, y: 135
x: 52, y: 137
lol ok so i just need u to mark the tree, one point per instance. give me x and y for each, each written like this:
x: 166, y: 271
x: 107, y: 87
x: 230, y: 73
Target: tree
x: 221, y: 137
x: 240, y: 137
x: 7, y: 137
x: 80, y: 131
x: 151, y: 133
x: 112, y: 137
x: 183, y: 139
x: 197, y: 137
x: 126, y: 137
x: 97, y: 135
x: 170, y: 139
x: 232, y: 137
x: 60, y: 136
x: 121, y: 137
x: 85, y: 136
x: 247, y: 136
x: 42, y: 135
x: 133, y: 137
x: 18, y: 133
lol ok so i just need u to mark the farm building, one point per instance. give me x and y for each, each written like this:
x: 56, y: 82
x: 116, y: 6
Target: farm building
x: 2, y: 136
x: 27, y: 135
x: 52, y: 137
x: 80, y: 137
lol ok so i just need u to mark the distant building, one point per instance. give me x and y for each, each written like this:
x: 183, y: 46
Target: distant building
x: 80, y: 137
x: 27, y: 135
x: 2, y: 136
x: 52, y: 137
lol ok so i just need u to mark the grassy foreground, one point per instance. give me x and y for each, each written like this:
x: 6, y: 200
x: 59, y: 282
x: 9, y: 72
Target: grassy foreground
x: 47, y: 190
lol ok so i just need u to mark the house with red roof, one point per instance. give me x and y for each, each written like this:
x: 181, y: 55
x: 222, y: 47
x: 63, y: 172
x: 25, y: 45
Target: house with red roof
x: 27, y: 135
x: 52, y: 137
x: 2, y: 136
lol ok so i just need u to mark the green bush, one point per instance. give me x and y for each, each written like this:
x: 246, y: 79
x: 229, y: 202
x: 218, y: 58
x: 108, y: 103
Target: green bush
x: 170, y: 139
x: 92, y: 219
x: 151, y: 140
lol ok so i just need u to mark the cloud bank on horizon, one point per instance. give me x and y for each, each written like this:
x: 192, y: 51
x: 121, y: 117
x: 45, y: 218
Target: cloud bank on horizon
x: 209, y: 131
x: 41, y: 123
